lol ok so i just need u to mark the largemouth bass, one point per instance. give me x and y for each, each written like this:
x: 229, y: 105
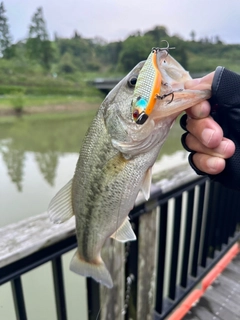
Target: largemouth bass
x: 115, y: 162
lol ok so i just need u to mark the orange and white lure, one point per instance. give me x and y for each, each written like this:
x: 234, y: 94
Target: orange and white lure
x: 147, y: 88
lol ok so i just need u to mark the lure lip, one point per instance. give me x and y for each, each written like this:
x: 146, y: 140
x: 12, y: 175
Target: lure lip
x: 142, y: 118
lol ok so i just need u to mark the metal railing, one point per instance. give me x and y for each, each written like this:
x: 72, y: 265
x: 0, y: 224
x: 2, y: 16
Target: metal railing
x: 182, y: 233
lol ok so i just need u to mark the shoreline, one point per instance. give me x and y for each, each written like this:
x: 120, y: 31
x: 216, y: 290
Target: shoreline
x: 59, y: 108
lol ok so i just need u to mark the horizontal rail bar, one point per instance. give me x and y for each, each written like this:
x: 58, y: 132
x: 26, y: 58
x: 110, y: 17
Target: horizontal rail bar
x: 34, y: 260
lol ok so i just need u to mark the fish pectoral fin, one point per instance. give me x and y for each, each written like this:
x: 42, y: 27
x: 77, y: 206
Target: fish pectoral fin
x: 146, y: 186
x: 60, y: 207
x: 97, y: 271
x: 125, y: 232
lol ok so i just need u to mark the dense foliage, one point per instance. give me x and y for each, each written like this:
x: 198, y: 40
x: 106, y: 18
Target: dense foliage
x: 61, y: 63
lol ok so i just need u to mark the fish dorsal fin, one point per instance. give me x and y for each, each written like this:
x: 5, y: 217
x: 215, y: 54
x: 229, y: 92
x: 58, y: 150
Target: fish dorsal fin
x: 146, y: 186
x: 60, y: 207
x: 125, y: 232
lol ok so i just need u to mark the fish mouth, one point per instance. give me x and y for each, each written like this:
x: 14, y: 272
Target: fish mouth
x: 178, y: 101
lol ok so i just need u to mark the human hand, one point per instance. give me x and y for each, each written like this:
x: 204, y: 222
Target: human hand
x: 205, y: 136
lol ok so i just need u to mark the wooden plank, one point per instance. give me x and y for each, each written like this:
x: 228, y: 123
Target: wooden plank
x: 27, y: 236
x: 234, y: 266
x: 223, y: 301
x: 204, y: 314
x: 231, y: 274
x: 227, y: 285
x: 146, y: 265
x: 112, y: 300
x: 216, y: 309
x: 190, y: 316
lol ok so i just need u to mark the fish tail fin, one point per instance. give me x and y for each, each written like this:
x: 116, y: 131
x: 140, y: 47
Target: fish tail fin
x: 97, y: 271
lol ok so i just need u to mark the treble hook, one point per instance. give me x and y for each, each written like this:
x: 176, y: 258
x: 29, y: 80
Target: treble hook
x: 166, y: 95
x: 155, y: 49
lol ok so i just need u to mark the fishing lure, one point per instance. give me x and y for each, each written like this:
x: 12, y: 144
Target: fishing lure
x: 148, y: 86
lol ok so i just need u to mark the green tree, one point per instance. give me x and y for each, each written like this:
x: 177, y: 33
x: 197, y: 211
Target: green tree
x: 158, y: 33
x: 5, y: 37
x: 38, y: 27
x: 193, y: 35
x: 38, y: 45
x: 66, y: 64
x: 134, y: 50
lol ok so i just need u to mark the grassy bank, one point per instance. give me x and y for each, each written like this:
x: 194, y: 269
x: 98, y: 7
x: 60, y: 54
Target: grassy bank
x: 8, y: 101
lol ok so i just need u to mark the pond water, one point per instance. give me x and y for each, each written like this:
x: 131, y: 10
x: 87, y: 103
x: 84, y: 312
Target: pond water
x: 38, y: 154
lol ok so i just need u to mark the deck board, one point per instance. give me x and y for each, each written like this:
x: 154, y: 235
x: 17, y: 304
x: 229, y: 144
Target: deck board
x: 222, y: 299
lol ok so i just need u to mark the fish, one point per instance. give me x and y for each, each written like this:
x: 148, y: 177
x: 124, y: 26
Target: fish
x: 115, y: 163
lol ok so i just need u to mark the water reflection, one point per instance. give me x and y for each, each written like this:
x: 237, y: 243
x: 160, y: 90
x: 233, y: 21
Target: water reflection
x: 48, y: 139
x: 14, y: 160
x: 47, y: 163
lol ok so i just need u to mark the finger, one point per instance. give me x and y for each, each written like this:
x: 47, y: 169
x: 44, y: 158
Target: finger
x: 200, y: 83
x: 200, y: 110
x: 224, y: 150
x: 206, y: 130
x: 208, y: 164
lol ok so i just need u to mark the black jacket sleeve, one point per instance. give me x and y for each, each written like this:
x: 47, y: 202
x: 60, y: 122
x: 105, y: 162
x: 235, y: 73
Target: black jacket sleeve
x: 225, y: 110
x: 225, y: 103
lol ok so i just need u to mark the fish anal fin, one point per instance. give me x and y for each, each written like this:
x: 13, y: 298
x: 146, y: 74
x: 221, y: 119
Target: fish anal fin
x: 97, y: 271
x: 60, y: 207
x: 125, y: 232
x: 146, y: 186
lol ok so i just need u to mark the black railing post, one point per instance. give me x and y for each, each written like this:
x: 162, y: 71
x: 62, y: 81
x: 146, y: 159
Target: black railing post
x: 213, y: 220
x: 187, y: 240
x: 59, y: 288
x: 93, y: 298
x: 208, y: 227
x: 199, y: 215
x: 18, y: 299
x: 175, y: 247
x: 161, y: 257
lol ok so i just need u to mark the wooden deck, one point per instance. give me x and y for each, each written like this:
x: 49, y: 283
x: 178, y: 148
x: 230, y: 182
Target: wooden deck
x: 221, y: 301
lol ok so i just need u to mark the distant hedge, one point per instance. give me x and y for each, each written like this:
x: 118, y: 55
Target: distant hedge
x: 11, y: 89
x: 46, y: 90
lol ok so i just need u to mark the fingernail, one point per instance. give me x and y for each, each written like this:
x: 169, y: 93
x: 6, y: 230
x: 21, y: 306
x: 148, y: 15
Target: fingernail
x: 207, y: 135
x: 211, y: 163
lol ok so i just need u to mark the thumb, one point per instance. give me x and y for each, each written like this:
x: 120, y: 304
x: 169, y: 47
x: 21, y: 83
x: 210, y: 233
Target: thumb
x: 200, y: 83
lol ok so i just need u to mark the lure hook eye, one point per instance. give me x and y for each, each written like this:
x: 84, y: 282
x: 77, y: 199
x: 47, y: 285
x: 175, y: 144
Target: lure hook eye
x: 156, y: 49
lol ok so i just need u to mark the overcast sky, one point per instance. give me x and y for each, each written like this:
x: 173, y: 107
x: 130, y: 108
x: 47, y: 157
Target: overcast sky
x: 116, y: 19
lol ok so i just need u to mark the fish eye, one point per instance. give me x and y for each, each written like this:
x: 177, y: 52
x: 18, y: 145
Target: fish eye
x: 132, y: 81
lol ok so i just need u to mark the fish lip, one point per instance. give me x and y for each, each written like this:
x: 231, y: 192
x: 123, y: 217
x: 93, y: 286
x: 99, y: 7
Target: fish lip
x: 183, y: 99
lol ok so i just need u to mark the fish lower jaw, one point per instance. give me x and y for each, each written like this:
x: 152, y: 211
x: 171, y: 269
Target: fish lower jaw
x: 182, y: 100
